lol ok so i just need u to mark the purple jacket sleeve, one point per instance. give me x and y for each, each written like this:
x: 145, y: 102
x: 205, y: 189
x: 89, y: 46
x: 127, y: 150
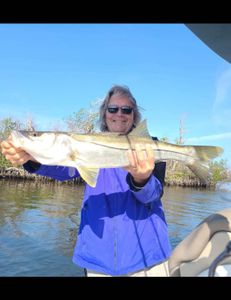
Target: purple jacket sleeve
x: 56, y: 172
x: 152, y: 190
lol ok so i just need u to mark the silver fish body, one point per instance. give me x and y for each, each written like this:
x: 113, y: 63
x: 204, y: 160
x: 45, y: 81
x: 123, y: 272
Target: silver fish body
x: 90, y: 152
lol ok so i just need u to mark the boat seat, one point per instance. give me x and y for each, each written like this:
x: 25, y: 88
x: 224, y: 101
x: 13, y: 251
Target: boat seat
x: 194, y: 255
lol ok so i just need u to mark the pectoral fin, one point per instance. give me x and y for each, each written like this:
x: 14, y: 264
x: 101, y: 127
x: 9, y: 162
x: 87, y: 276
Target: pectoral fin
x: 90, y: 175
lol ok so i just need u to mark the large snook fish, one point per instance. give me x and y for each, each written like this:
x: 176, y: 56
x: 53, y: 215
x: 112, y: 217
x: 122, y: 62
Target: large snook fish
x: 90, y: 152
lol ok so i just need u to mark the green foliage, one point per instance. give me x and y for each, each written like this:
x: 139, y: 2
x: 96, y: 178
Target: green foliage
x: 82, y: 121
x: 85, y: 120
x: 4, y: 163
x: 6, y: 126
x: 219, y: 170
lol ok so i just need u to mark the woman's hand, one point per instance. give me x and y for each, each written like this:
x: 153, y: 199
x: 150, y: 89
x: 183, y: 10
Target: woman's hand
x: 16, y: 156
x: 142, y: 163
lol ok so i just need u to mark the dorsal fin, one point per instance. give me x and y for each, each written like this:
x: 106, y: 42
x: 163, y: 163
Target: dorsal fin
x: 140, y: 130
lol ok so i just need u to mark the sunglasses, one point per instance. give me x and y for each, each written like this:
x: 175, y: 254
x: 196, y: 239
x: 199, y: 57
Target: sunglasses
x: 113, y: 109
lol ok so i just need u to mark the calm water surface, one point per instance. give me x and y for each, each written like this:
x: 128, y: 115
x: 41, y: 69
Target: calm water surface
x: 39, y: 224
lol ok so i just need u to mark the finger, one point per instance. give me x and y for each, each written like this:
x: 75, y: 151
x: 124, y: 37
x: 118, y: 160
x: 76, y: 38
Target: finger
x: 19, y: 155
x: 141, y: 151
x: 10, y: 158
x: 5, y: 145
x: 12, y: 151
x: 20, y: 160
x: 24, y: 159
x: 132, y: 158
x: 150, y: 153
x: 141, y: 155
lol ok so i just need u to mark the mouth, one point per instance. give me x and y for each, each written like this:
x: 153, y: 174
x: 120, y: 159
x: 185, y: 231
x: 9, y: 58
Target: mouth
x: 119, y: 121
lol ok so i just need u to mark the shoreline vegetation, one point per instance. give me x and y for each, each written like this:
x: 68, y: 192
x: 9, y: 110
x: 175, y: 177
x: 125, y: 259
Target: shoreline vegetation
x: 176, y: 175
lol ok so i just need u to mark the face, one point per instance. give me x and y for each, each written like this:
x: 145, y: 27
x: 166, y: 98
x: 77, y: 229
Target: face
x: 119, y: 121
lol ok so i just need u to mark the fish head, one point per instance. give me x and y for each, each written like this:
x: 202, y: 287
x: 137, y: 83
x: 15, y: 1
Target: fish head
x: 24, y: 138
x: 51, y: 148
x: 17, y: 138
x: 34, y: 135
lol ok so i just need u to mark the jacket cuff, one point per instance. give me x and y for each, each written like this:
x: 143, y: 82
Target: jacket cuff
x: 151, y: 191
x: 31, y: 166
x: 132, y: 185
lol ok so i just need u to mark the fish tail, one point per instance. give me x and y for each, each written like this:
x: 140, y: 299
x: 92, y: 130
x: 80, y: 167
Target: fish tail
x: 207, y: 152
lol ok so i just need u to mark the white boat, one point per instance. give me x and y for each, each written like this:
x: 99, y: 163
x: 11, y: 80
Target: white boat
x: 206, y: 248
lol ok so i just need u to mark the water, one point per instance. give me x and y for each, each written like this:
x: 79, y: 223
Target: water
x: 39, y: 224
x: 185, y: 208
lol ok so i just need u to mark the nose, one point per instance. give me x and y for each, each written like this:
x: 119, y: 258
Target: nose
x: 119, y: 112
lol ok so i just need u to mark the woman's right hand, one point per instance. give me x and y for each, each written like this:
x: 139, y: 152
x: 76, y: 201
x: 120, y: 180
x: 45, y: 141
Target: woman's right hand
x: 16, y: 156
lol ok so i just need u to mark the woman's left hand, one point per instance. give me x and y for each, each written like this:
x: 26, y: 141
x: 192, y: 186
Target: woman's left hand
x: 142, y: 163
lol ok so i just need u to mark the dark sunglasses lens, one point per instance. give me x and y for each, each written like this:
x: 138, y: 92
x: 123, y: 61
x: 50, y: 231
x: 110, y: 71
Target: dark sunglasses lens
x: 126, y: 110
x: 113, y: 110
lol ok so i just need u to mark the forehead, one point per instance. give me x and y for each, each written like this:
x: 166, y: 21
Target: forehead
x: 120, y: 100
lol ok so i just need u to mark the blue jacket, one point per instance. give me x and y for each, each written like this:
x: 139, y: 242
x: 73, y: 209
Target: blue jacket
x: 122, y: 229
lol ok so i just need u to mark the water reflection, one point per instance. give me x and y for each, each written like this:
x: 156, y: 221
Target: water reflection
x: 39, y: 224
x: 224, y: 189
x: 185, y: 208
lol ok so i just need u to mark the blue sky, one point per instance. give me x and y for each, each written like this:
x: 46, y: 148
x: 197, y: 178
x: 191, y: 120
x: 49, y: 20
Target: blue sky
x: 49, y: 71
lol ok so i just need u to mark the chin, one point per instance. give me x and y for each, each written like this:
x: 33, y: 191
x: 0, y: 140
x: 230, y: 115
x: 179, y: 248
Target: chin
x: 119, y: 128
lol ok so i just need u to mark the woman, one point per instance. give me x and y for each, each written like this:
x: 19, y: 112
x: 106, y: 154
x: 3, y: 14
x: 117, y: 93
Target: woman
x: 123, y: 231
